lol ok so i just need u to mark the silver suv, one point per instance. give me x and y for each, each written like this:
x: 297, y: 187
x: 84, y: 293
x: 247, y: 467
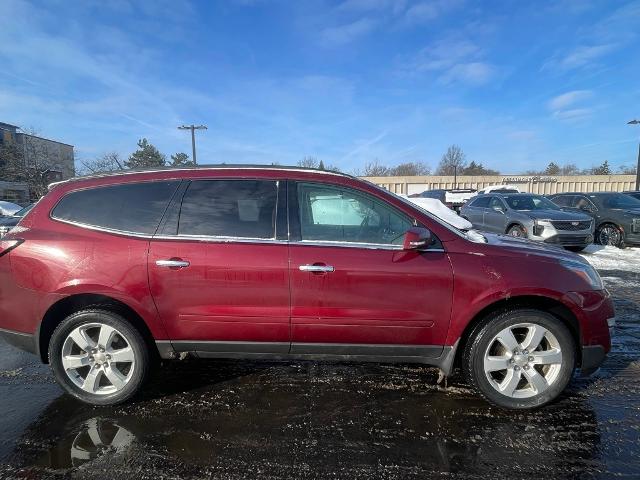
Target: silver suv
x: 529, y: 216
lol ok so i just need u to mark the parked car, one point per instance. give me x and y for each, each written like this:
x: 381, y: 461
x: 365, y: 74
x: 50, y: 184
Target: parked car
x: 7, y: 223
x: 616, y: 215
x: 107, y: 273
x: 7, y: 208
x: 454, y: 198
x: 440, y: 210
x: 499, y: 189
x: 529, y: 216
x: 634, y: 193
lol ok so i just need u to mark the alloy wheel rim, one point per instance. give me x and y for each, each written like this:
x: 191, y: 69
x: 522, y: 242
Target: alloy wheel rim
x: 98, y: 358
x: 609, y: 236
x: 523, y: 360
x: 516, y: 232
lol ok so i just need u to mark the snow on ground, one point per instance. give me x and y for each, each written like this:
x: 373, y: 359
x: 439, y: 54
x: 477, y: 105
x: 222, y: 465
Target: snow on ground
x: 612, y: 258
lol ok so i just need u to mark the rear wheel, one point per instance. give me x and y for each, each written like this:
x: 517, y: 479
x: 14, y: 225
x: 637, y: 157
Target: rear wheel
x: 98, y: 357
x: 610, y: 234
x: 520, y: 359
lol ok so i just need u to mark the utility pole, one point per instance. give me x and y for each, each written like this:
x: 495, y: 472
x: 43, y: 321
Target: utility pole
x: 193, y: 129
x: 637, y: 122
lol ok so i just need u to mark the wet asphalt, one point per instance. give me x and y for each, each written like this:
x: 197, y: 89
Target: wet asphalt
x: 304, y: 420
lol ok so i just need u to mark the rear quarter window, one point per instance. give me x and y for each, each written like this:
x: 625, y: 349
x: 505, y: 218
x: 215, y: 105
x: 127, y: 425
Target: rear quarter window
x: 131, y: 207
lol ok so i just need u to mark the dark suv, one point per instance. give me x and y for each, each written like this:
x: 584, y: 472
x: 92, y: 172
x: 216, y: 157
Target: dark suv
x: 616, y: 215
x: 107, y: 273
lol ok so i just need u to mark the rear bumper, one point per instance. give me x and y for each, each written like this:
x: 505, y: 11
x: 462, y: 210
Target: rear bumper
x: 23, y: 341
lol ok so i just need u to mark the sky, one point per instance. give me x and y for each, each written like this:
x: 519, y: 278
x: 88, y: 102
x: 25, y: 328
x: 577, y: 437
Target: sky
x: 515, y: 84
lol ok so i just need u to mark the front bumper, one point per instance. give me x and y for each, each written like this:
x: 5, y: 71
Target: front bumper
x: 570, y: 240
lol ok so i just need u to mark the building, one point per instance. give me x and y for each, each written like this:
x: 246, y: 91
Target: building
x: 545, y: 184
x: 54, y: 158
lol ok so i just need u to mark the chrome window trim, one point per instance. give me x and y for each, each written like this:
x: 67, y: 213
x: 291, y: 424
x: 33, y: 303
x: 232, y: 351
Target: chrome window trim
x: 213, y: 239
x: 102, y: 229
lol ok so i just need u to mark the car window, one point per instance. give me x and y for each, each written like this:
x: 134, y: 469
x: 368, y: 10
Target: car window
x: 481, y: 202
x: 620, y: 200
x: 530, y: 202
x: 496, y: 202
x: 229, y: 208
x: 582, y: 202
x: 563, y: 200
x: 337, y: 214
x: 130, y: 207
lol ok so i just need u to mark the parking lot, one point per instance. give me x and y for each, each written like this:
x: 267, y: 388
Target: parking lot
x: 242, y: 419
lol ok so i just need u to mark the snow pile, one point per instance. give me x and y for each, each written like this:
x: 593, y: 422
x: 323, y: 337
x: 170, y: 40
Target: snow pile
x: 440, y: 210
x: 612, y: 258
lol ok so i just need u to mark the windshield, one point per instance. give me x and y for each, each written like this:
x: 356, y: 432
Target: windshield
x: 23, y: 212
x: 620, y: 200
x: 530, y: 202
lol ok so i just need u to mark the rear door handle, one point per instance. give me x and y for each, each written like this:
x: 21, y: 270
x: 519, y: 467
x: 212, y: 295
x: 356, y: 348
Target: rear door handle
x: 316, y: 268
x: 173, y: 263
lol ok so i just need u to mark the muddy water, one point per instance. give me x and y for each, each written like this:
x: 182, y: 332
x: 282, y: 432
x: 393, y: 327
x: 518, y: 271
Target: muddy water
x: 232, y: 419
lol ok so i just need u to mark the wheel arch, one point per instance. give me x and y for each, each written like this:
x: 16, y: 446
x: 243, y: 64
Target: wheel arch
x: 82, y: 301
x: 545, y: 304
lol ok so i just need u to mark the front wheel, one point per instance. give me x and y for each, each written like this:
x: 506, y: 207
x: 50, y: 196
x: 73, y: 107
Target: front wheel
x: 98, y: 357
x: 517, y: 231
x: 520, y: 359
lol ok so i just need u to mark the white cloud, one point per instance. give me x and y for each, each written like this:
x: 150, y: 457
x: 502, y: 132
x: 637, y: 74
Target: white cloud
x: 346, y: 33
x: 429, y: 10
x: 573, y: 114
x: 454, y: 61
x: 584, y: 55
x: 570, y: 98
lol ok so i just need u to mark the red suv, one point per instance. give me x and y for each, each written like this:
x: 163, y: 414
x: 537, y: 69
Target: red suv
x: 108, y: 273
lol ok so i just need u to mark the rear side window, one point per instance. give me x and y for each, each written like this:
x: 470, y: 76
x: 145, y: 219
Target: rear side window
x: 480, y: 202
x: 563, y: 200
x: 130, y: 207
x: 229, y: 208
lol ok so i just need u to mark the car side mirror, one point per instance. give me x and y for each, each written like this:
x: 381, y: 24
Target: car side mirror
x: 416, y: 238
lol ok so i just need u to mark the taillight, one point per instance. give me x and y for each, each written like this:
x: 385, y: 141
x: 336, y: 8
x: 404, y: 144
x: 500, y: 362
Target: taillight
x: 7, y: 245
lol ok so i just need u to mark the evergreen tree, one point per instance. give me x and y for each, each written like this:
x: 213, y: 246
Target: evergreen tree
x: 181, y: 160
x: 147, y: 156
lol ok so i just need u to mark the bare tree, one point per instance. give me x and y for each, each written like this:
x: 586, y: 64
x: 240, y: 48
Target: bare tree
x: 29, y: 162
x: 410, y: 169
x: 313, y: 162
x: 375, y: 169
x: 453, y: 160
x: 627, y: 170
x: 309, y: 162
x: 109, y: 162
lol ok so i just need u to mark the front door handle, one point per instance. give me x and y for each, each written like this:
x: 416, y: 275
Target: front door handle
x: 316, y: 268
x: 173, y: 263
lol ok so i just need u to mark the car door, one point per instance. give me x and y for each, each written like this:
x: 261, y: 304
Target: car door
x: 495, y: 216
x: 475, y: 211
x: 218, y: 272
x: 354, y: 290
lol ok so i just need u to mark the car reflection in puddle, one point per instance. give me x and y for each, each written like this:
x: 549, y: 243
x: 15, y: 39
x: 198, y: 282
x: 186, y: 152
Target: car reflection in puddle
x: 303, y: 419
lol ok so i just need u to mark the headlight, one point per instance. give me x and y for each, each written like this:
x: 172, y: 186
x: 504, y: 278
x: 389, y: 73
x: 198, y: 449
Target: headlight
x: 538, y: 226
x: 587, y: 272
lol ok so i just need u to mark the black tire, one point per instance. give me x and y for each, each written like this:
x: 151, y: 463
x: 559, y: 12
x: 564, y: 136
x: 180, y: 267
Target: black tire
x: 575, y: 249
x: 603, y: 238
x: 481, y: 339
x: 517, y: 231
x: 125, y: 332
